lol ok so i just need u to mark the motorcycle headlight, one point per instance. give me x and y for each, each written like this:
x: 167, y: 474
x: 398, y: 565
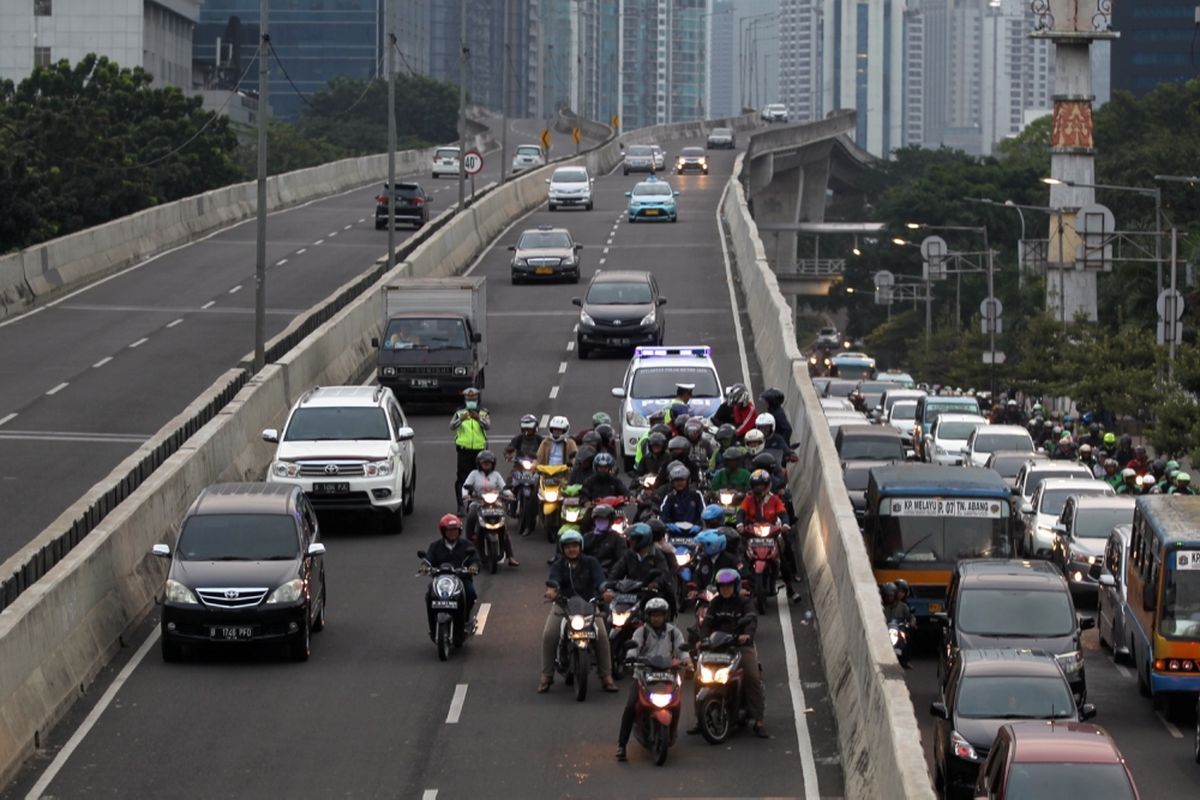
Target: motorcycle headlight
x: 444, y: 586
x: 176, y: 592
x: 550, y: 494
x: 586, y: 318
x: 649, y: 318
x: 490, y: 497
x: 683, y: 557
x: 635, y: 419
x: 288, y: 592
x: 648, y: 481
x: 571, y: 514
x: 378, y: 469
x: 285, y: 469
x: 762, y: 531
x: 714, y: 674
x: 661, y: 699
x: 619, y: 618
x: 895, y: 634
x: 725, y: 497
x: 577, y: 622
x: 1070, y: 662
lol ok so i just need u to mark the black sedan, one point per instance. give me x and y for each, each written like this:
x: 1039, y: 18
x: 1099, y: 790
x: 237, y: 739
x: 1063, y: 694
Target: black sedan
x: 621, y: 309
x: 412, y: 205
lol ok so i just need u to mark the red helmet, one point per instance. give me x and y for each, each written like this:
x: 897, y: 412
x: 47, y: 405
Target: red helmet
x: 449, y: 521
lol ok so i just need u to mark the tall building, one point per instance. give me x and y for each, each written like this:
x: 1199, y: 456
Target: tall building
x: 153, y: 34
x: 1158, y: 43
x: 315, y: 41
x: 914, y: 79
x: 663, y: 61
x: 863, y: 68
x: 800, y: 35
x: 722, y: 66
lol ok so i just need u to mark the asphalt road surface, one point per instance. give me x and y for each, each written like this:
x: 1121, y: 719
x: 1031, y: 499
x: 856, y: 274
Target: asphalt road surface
x: 91, y: 376
x: 1159, y: 752
x: 373, y: 713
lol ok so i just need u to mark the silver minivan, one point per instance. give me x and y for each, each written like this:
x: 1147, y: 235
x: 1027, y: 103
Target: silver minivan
x: 1111, y: 600
x: 570, y: 186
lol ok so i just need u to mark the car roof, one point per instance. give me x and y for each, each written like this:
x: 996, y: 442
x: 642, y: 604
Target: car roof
x: 1041, y: 741
x: 1029, y: 455
x: 868, y: 431
x: 1010, y: 573
x: 1104, y: 502
x: 961, y: 418
x: 545, y: 229
x: 1092, y: 485
x: 246, y: 498
x: 652, y: 181
x: 341, y: 396
x: 1051, y: 464
x: 1011, y: 430
x: 1176, y: 513
x: 996, y: 661
x: 863, y: 465
x: 900, y: 393
x: 621, y: 276
x: 572, y: 168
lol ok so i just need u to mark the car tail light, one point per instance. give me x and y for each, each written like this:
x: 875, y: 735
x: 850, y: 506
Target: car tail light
x: 416, y: 201
x: 962, y: 748
x: 383, y: 198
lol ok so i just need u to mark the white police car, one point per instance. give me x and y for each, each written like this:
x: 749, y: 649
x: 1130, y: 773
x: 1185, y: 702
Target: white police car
x: 650, y: 384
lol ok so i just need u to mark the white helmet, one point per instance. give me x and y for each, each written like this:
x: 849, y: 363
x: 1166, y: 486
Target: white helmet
x: 754, y: 440
x: 559, y: 426
x: 764, y: 420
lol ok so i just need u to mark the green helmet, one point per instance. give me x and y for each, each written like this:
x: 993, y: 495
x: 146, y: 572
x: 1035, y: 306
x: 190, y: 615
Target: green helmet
x: 1110, y: 439
x: 600, y: 418
x: 1183, y: 477
x: 569, y: 534
x: 1172, y: 464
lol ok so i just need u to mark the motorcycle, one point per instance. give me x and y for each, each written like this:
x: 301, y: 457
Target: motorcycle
x: 524, y: 484
x: 572, y: 510
x: 550, y: 487
x: 720, y: 696
x: 647, y: 501
x: 656, y: 715
x: 576, y: 638
x: 729, y: 500
x: 446, y: 598
x: 681, y: 535
x: 624, y: 617
x: 620, y: 523
x: 900, y: 634
x: 490, y: 527
x: 763, y: 553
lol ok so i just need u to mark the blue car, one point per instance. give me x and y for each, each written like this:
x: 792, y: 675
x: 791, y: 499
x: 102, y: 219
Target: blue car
x: 652, y: 199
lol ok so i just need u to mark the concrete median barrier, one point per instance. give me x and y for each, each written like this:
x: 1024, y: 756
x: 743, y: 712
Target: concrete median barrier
x: 878, y: 737
x: 58, y: 634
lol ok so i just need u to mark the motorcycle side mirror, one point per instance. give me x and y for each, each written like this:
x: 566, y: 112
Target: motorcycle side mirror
x: 939, y: 710
x: 421, y: 554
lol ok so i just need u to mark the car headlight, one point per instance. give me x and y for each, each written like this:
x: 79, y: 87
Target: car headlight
x: 288, y: 592
x: 520, y: 262
x: 941, y: 451
x: 635, y: 419
x: 176, y: 592
x: 1070, y: 662
x: 285, y: 469
x: 586, y: 318
x: 378, y: 469
x: 577, y: 622
x: 460, y: 371
x: 661, y: 699
x: 649, y: 318
x: 570, y: 261
x: 389, y: 372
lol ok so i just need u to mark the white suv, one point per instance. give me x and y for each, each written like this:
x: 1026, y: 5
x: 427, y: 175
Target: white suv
x: 350, y: 448
x: 446, y: 162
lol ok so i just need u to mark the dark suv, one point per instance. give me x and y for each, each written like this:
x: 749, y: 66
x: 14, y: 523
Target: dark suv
x: 986, y: 689
x: 412, y: 205
x: 1002, y: 603
x: 620, y: 309
x: 248, y: 567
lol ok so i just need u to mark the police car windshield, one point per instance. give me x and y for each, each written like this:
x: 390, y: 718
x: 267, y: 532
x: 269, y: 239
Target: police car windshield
x: 544, y: 239
x: 660, y: 381
x: 652, y: 188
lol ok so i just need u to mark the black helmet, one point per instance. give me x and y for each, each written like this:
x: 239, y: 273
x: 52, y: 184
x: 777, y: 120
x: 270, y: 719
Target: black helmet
x: 902, y: 586
x: 485, y: 455
x: 773, y: 397
x: 889, y: 592
x: 603, y: 460
x: 681, y: 421
x: 733, y: 541
x: 760, y: 477
x: 656, y: 439
x: 764, y: 460
x: 602, y: 510
x: 737, y: 394
x: 726, y: 434
x: 585, y: 455
x: 591, y: 439
x: 678, y: 472
x: 679, y: 443
x: 665, y: 430
x: 605, y: 432
x: 1094, y: 428
x: 658, y: 529
x: 733, y: 454
x: 693, y: 429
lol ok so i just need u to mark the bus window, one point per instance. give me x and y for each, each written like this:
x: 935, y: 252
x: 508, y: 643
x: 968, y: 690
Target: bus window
x: 1180, y: 618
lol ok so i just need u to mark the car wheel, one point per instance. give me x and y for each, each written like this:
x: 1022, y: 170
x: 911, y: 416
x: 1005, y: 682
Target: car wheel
x: 171, y: 651
x: 515, y: 279
x: 417, y: 225
x: 705, y: 172
x: 581, y: 350
x: 410, y: 496
x: 551, y: 207
x: 301, y: 646
x: 393, y: 522
x: 435, y: 176
x: 675, y: 219
x: 319, y: 622
x: 626, y: 172
x: 380, y: 225
x: 631, y: 220
x: 589, y: 206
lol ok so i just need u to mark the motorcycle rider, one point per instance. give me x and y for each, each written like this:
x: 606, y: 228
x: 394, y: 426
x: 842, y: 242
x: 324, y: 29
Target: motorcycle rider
x: 730, y: 612
x: 656, y: 423
x: 894, y: 608
x: 712, y: 517
x: 574, y: 574
x: 753, y: 440
x: 678, y: 450
x: 1087, y: 459
x: 715, y: 554
x: 485, y: 477
x: 1129, y: 482
x: 602, y: 482
x: 762, y: 505
x: 526, y: 443
x: 654, y: 455
x: 470, y: 425
x: 737, y: 410
x: 557, y: 448
x: 642, y: 561
x: 1094, y: 438
x: 682, y: 504
x: 603, y: 544
x: 1140, y: 463
x: 703, y: 446
x: 726, y: 437
x: 658, y: 638
x: 598, y: 419
x: 609, y: 443
x: 732, y: 473
x: 456, y: 551
x: 581, y: 470
x: 772, y: 441
x: 1170, y: 469
x: 1183, y: 484
x: 773, y: 400
x: 1125, y: 452
x: 1110, y: 445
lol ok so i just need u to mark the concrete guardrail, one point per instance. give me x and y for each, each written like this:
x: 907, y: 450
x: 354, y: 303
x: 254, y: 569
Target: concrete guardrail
x: 878, y: 738
x: 58, y: 634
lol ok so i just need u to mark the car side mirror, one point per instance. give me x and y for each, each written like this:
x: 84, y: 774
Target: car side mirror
x: 476, y: 337
x: 547, y: 181
x: 662, y: 301
x: 270, y: 435
x: 1086, y: 712
x: 1106, y: 579
x: 1059, y: 527
x: 578, y: 247
x: 1086, y: 623
x: 1026, y: 508
x: 315, y: 549
x: 629, y: 194
x: 966, y: 451
x: 375, y: 342
x: 428, y: 199
x: 676, y: 194
x: 577, y: 301
x: 941, y: 618
x: 161, y: 550
x: 404, y: 434
x: 512, y: 248
x: 939, y: 710
x: 618, y: 392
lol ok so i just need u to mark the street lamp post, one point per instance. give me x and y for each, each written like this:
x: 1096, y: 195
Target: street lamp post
x: 915, y: 226
x: 1020, y: 245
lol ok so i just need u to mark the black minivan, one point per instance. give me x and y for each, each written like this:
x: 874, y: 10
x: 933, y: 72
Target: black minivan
x: 1012, y: 603
x: 248, y: 567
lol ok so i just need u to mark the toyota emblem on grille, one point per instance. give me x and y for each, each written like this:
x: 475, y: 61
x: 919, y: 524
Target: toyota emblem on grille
x: 231, y: 594
x: 331, y: 469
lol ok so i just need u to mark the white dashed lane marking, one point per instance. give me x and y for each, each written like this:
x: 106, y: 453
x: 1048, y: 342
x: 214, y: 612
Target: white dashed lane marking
x: 318, y: 242
x: 562, y: 367
x: 175, y: 322
x: 553, y: 392
x: 8, y: 418
x: 209, y: 304
x: 139, y: 342
x: 102, y: 362
x: 236, y: 289
x: 302, y: 251
x: 456, y: 704
x: 570, y: 346
x: 57, y: 389
x: 281, y: 262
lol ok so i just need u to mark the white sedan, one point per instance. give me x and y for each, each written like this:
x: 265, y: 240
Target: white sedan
x: 945, y: 441
x: 992, y: 439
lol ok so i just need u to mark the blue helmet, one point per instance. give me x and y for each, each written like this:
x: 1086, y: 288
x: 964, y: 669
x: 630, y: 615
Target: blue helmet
x: 712, y: 512
x: 640, y: 535
x: 712, y: 543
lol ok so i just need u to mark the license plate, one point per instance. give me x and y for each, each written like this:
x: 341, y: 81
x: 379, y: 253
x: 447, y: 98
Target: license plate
x: 659, y: 677
x: 424, y: 383
x: 625, y: 599
x: 683, y: 543
x: 716, y: 658
x: 231, y: 632
x: 935, y: 608
x: 583, y: 634
x: 443, y: 604
x: 543, y: 271
x: 621, y: 341
x: 341, y: 487
x: 652, y: 212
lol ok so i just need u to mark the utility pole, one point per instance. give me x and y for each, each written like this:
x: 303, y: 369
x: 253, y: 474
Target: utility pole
x: 260, y: 260
x: 1171, y: 321
x: 391, y: 131
x: 504, y: 100
x: 464, y: 53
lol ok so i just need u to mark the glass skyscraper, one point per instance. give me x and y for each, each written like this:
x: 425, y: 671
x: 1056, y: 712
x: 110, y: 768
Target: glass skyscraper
x: 1158, y: 44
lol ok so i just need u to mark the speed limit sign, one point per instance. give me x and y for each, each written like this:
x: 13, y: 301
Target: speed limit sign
x: 472, y: 162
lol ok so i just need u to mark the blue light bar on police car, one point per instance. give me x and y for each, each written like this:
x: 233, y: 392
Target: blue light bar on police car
x: 697, y: 351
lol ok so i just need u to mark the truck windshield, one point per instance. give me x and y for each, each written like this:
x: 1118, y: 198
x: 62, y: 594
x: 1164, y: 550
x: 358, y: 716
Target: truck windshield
x: 1181, y: 596
x: 334, y: 423
x: 852, y: 371
x: 425, y: 334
